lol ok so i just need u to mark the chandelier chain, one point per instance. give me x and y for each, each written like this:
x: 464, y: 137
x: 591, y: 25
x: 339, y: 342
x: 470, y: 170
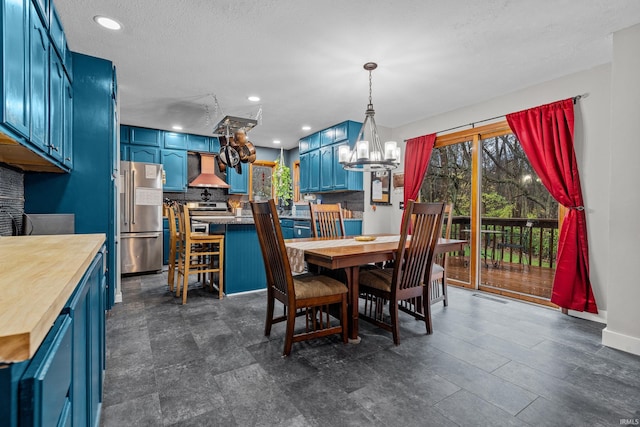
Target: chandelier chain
x: 370, y: 80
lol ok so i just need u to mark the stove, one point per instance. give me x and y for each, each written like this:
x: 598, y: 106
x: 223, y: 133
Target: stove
x: 208, y: 209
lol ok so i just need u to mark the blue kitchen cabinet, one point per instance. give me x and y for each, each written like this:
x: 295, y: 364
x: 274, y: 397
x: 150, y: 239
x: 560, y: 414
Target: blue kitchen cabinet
x: 214, y: 144
x: 45, y: 397
x: 309, y: 143
x: 124, y: 152
x: 125, y: 132
x: 327, y: 137
x: 286, y: 225
x: 301, y: 229
x: 42, y: 7
x: 243, y: 262
x: 174, y: 163
x: 142, y: 136
x: 67, y: 131
x: 326, y: 168
x: 198, y: 143
x: 85, y: 311
x: 320, y: 169
x: 144, y: 154
x: 56, y: 32
x: 353, y: 227
x: 56, y: 112
x: 314, y: 171
x: 165, y: 241
x: 175, y: 140
x: 63, y: 383
x: 39, y: 82
x: 15, y: 66
x: 304, y: 173
x: 238, y: 183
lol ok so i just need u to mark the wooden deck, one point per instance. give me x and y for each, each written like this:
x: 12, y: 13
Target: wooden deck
x: 529, y: 281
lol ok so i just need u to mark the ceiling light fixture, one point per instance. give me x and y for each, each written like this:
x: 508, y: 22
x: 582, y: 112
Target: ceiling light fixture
x: 176, y: 127
x: 107, y: 23
x: 306, y: 127
x: 253, y: 98
x: 276, y: 141
x: 367, y: 154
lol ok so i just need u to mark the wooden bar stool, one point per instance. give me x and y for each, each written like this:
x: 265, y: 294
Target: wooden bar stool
x: 175, y: 246
x: 201, y: 254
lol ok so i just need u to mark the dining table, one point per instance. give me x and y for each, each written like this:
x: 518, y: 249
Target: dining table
x: 349, y: 254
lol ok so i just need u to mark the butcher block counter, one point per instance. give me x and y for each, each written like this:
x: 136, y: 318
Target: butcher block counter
x: 38, y: 276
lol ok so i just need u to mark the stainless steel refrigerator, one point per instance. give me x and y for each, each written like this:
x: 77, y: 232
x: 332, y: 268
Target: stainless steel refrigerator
x: 140, y: 217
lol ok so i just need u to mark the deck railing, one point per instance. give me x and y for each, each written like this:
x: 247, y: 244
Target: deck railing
x: 515, y: 241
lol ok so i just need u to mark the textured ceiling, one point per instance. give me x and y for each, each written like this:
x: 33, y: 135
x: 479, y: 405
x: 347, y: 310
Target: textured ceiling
x: 304, y: 58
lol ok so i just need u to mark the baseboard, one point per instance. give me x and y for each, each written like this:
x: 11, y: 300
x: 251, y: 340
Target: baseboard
x: 118, y: 298
x: 601, y: 317
x: 620, y: 341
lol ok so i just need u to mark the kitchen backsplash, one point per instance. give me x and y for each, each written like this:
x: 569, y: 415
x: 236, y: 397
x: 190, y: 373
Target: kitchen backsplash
x: 11, y: 201
x: 198, y: 195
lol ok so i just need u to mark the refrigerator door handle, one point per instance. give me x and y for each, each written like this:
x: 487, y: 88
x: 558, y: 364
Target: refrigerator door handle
x: 126, y: 199
x: 154, y: 235
x: 133, y: 197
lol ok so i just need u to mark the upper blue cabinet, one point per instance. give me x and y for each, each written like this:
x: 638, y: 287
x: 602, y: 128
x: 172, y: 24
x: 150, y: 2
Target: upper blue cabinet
x: 143, y: 136
x: 175, y: 140
x: 15, y: 66
x: 35, y: 85
x: 320, y: 170
x: 198, y: 143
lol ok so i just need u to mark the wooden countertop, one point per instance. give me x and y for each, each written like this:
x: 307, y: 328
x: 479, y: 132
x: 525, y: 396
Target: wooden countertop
x: 38, y: 274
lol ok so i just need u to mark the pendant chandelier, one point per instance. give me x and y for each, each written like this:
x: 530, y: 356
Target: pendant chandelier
x: 368, y: 154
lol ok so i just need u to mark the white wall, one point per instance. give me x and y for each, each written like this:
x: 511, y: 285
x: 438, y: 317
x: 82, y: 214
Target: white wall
x: 623, y: 326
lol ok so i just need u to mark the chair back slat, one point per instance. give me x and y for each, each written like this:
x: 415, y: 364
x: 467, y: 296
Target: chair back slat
x: 274, y: 252
x: 416, y: 257
x: 327, y: 220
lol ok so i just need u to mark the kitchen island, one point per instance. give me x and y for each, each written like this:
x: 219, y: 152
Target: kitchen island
x: 243, y: 263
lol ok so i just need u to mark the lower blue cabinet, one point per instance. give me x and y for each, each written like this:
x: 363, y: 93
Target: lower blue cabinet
x: 45, y: 385
x: 243, y: 262
x: 62, y: 383
x: 353, y: 227
x: 287, y: 228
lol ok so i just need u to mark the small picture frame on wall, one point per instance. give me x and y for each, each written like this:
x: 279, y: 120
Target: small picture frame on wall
x: 380, y: 188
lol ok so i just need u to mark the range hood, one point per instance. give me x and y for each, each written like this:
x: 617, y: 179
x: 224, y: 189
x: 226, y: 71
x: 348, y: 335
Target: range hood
x: 208, y: 176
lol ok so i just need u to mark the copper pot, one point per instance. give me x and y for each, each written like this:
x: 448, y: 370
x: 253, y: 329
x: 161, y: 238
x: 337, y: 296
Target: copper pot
x: 247, y: 152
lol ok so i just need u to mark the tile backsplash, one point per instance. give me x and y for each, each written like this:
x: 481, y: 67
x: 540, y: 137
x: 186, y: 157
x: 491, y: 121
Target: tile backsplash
x: 11, y: 201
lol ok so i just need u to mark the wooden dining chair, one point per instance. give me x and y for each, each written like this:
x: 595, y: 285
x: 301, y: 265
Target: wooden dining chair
x: 438, y: 281
x: 201, y: 254
x: 327, y: 220
x: 406, y: 280
x: 305, y: 295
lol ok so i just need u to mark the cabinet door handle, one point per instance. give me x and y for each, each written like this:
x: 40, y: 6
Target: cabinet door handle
x: 54, y: 148
x: 67, y: 159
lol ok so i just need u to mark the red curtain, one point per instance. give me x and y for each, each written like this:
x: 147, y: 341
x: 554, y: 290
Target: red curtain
x: 546, y: 135
x: 416, y: 162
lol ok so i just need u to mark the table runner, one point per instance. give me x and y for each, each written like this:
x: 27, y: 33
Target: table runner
x: 295, y: 250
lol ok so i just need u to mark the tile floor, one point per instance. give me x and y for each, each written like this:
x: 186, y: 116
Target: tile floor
x: 490, y: 362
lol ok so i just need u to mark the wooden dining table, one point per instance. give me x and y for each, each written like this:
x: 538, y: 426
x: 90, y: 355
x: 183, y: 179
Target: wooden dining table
x: 345, y: 253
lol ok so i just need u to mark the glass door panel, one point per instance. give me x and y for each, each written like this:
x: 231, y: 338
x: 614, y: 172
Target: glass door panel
x: 519, y: 227
x: 448, y: 180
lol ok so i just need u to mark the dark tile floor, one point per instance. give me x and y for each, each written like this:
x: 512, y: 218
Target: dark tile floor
x: 490, y: 362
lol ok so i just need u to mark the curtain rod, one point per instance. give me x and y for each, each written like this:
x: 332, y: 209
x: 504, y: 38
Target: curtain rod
x: 472, y: 124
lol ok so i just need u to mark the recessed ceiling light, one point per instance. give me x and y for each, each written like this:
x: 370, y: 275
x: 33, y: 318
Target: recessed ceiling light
x: 306, y: 127
x: 108, y: 23
x: 253, y: 98
x: 176, y: 127
x: 276, y: 141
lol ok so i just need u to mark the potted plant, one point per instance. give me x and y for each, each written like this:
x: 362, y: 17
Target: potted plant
x: 282, y: 182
